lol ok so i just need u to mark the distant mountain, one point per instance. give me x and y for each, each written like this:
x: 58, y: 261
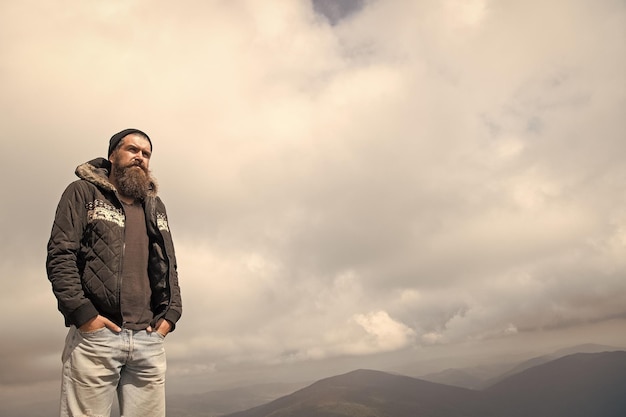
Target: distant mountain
x: 218, y: 403
x: 585, y: 348
x: 476, y: 377
x: 539, y: 360
x: 579, y: 385
x: 366, y: 393
x: 480, y: 377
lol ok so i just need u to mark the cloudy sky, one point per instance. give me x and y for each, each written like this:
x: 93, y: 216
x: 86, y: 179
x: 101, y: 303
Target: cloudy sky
x: 346, y: 181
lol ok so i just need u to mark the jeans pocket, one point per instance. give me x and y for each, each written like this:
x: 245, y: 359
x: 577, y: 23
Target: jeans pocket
x: 92, y: 332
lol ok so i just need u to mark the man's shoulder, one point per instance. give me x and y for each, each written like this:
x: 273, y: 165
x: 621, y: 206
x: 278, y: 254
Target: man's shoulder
x: 84, y: 190
x: 80, y: 185
x: 156, y: 202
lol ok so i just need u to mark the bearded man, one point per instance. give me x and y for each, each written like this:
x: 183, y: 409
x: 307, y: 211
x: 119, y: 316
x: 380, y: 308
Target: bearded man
x: 113, y: 270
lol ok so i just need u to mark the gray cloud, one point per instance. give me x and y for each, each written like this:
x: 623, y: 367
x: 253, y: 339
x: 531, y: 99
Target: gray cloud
x: 335, y: 11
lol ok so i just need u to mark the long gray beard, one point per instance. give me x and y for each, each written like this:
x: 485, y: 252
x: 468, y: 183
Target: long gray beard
x: 132, y: 182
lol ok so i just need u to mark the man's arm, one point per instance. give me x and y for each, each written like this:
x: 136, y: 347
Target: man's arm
x: 62, y: 260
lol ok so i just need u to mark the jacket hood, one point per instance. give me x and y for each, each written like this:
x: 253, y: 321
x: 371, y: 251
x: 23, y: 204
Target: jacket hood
x: 97, y: 172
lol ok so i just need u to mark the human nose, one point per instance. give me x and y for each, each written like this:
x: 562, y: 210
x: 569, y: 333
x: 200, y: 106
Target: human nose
x: 139, y: 159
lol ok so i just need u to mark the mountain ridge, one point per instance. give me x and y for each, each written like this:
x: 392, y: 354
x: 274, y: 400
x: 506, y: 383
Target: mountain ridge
x: 484, y: 376
x: 363, y: 392
x: 577, y: 385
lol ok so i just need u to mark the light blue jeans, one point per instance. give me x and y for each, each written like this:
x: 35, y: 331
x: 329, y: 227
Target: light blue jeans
x: 99, y: 364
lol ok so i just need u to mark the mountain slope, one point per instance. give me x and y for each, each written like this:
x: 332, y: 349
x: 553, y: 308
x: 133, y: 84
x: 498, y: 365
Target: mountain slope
x: 218, y: 403
x: 579, y: 385
x: 540, y: 360
x: 483, y: 376
x: 366, y: 393
x: 472, y: 378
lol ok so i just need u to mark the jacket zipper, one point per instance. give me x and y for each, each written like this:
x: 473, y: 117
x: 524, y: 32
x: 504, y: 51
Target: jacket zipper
x: 121, y: 267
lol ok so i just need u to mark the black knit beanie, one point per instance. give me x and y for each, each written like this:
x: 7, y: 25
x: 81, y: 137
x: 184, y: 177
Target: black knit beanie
x: 115, y: 139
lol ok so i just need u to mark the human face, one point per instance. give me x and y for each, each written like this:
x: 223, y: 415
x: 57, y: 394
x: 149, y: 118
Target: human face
x: 134, y: 150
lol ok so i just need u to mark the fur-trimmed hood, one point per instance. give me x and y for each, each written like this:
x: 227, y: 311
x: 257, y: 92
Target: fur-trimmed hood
x: 97, y: 172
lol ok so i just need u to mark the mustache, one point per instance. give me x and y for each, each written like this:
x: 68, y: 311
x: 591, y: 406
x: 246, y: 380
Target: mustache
x: 137, y: 164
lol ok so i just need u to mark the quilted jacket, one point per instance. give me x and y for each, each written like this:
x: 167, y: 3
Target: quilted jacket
x: 86, y: 247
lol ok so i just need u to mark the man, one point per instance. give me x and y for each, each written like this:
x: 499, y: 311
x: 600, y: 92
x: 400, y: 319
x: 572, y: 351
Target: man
x: 113, y: 271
